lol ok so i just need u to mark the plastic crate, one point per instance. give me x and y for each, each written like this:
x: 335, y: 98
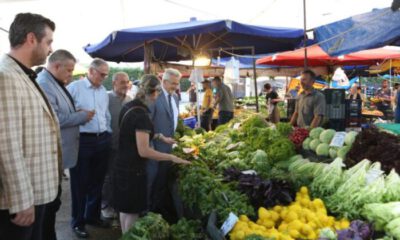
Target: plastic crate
x: 190, y: 122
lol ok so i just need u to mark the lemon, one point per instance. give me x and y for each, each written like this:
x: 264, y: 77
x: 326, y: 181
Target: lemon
x: 294, y: 233
x: 240, y: 235
x: 344, y: 224
x: 244, y: 218
x: 268, y: 223
x: 304, y: 190
x: 291, y: 216
x: 277, y: 208
x: 283, y: 227
x: 263, y: 213
x: 317, y: 202
x: 312, y: 224
x: 274, y: 216
x: 312, y: 235
x: 306, y: 229
x: 295, y: 225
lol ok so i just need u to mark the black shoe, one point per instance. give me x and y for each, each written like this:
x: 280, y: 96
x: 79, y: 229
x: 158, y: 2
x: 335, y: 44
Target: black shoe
x: 80, y: 232
x: 98, y: 223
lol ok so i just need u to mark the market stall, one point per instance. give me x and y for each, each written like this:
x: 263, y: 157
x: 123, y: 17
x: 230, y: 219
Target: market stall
x: 251, y: 179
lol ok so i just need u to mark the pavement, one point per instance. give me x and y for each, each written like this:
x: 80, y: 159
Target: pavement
x: 64, y: 231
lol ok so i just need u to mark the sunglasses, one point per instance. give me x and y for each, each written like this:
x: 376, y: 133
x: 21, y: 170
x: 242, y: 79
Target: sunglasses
x: 103, y: 75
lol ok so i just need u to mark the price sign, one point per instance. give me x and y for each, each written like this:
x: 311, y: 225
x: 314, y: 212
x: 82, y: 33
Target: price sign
x: 229, y: 223
x: 338, y: 139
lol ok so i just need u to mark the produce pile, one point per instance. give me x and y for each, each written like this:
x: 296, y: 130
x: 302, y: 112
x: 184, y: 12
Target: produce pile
x: 302, y: 219
x: 249, y: 167
x: 376, y: 146
x: 154, y: 227
x: 320, y: 139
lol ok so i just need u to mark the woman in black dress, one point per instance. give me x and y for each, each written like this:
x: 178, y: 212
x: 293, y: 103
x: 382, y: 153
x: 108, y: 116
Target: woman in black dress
x: 136, y: 131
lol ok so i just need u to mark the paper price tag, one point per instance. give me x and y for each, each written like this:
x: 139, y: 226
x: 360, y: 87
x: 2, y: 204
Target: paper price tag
x: 338, y: 139
x: 229, y: 223
x: 251, y: 172
x: 236, y: 126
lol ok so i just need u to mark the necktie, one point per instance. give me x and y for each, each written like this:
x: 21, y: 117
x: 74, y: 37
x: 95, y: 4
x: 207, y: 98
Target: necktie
x: 170, y: 103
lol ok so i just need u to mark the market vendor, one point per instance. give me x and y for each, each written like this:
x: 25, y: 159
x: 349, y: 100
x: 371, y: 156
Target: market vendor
x: 272, y: 100
x: 224, y: 100
x: 206, y: 106
x: 310, y: 104
x: 384, y: 96
x: 354, y: 94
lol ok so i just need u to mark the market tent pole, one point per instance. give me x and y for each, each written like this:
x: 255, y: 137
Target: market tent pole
x: 255, y: 78
x: 390, y: 73
x: 147, y: 57
x: 305, y: 34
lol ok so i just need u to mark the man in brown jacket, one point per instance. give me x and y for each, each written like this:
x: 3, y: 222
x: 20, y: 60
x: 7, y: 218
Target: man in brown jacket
x: 30, y: 153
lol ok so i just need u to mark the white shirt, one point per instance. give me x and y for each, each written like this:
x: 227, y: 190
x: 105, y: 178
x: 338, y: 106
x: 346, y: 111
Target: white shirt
x: 174, y: 106
x: 88, y: 97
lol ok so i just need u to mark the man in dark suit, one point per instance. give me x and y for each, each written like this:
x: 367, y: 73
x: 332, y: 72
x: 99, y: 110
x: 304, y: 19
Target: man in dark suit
x: 52, y: 81
x: 164, y: 114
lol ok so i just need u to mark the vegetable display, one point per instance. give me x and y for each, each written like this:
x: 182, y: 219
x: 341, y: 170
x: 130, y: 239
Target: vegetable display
x: 377, y: 147
x: 262, y: 193
x: 356, y: 181
x: 302, y: 219
x: 151, y: 226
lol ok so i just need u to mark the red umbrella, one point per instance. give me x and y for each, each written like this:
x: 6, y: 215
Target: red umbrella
x: 370, y: 57
x: 317, y: 57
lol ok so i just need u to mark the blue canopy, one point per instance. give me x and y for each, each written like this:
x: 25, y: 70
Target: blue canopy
x: 179, y: 41
x: 365, y: 31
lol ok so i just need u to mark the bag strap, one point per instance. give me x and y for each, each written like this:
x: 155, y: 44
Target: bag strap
x: 130, y: 110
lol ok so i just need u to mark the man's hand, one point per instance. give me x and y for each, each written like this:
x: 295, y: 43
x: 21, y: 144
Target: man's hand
x: 25, y: 217
x: 89, y: 115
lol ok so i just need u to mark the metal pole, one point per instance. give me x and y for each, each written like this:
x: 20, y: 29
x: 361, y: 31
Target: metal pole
x: 305, y: 34
x: 147, y: 58
x: 197, y: 95
x: 255, y: 78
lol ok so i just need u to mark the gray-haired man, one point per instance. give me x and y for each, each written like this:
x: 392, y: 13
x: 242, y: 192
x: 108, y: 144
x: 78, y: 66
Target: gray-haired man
x: 117, y: 98
x: 164, y: 115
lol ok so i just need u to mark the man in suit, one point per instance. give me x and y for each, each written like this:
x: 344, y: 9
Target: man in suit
x: 30, y: 149
x: 164, y: 114
x: 87, y: 177
x: 53, y: 80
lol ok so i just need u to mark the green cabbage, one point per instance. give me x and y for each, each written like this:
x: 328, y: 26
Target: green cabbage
x: 323, y: 149
x: 350, y: 138
x: 315, y: 132
x: 333, y: 152
x: 381, y: 213
x: 343, y: 152
x: 314, y: 144
x: 306, y: 143
x: 393, y: 228
x: 327, y: 136
x: 392, y: 185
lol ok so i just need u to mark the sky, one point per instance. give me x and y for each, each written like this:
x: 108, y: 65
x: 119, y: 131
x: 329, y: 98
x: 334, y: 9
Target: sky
x: 80, y: 22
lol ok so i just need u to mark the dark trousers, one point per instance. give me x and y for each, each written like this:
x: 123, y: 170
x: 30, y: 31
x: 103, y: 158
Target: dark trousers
x: 87, y: 178
x: 206, y: 119
x: 49, y: 219
x: 10, y: 231
x: 107, y: 193
x: 224, y: 117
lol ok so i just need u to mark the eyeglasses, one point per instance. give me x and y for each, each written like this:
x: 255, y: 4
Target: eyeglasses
x: 103, y: 75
